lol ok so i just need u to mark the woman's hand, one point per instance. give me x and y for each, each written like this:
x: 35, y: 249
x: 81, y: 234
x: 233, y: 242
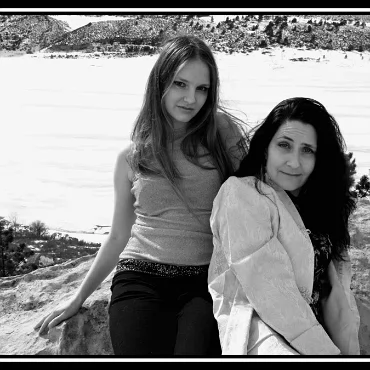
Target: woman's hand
x: 60, y: 313
x: 339, y: 320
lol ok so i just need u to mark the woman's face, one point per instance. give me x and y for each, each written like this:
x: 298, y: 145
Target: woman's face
x: 291, y: 155
x: 188, y: 92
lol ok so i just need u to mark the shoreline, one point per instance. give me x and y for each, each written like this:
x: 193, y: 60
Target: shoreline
x: 82, y: 235
x: 284, y: 53
x: 98, y: 237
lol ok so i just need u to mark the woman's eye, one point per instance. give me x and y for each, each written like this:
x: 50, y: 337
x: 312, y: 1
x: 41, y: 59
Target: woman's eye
x: 179, y: 83
x: 308, y: 150
x: 284, y: 145
x: 203, y: 88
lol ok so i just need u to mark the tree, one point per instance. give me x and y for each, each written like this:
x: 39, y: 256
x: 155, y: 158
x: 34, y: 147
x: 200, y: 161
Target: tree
x: 269, y: 29
x: 13, y: 218
x: 38, y: 228
x: 363, y: 187
x: 13, y: 256
x: 352, y: 167
x: 6, y: 237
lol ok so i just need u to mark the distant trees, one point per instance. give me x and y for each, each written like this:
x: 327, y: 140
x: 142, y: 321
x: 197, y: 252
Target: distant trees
x: 363, y: 187
x: 352, y: 168
x: 19, y: 255
x: 13, y: 219
x: 13, y: 256
x: 38, y: 228
x: 6, y: 237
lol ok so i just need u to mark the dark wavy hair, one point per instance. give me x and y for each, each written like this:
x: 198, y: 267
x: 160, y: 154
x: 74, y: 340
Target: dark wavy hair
x: 325, y: 200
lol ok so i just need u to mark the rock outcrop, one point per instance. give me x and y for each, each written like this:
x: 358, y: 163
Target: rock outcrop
x: 25, y: 299
x: 29, y: 32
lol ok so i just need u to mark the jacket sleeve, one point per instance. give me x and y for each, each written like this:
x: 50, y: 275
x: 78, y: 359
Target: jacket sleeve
x: 246, y: 224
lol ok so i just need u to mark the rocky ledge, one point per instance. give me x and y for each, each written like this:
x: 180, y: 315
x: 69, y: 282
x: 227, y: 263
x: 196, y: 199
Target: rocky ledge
x: 25, y: 299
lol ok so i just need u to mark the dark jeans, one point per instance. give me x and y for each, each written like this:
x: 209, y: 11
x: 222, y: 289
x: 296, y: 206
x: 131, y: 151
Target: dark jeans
x: 162, y: 316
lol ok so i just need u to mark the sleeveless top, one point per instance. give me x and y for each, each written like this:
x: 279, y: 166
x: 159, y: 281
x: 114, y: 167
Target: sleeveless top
x: 164, y: 230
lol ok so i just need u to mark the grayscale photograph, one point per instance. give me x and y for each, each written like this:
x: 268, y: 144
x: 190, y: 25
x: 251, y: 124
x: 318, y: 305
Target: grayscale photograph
x: 185, y: 185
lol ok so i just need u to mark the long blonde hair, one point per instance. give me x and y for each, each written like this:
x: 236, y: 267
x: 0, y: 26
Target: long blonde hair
x: 153, y: 133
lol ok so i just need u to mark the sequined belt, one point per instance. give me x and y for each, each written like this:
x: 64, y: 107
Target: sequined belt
x: 159, y: 269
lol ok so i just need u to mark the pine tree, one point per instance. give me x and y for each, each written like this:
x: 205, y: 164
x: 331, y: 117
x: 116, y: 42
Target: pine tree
x: 6, y: 237
x: 352, y: 167
x: 363, y: 187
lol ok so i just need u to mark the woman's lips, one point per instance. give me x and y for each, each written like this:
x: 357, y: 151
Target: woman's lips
x: 291, y: 174
x: 186, y: 108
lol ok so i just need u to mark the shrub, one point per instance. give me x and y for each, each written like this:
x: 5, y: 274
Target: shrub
x: 38, y: 228
x: 363, y: 187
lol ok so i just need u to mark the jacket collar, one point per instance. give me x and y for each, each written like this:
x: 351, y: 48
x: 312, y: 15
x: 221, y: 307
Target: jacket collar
x: 289, y: 205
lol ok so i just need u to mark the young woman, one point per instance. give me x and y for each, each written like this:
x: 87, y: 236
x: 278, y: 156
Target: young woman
x: 280, y: 272
x: 184, y: 146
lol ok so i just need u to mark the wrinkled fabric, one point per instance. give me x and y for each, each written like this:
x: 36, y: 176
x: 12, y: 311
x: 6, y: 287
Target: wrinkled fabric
x: 344, y: 271
x: 261, y: 274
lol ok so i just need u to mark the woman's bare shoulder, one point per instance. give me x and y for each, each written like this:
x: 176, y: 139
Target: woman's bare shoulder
x: 224, y: 121
x: 122, y: 163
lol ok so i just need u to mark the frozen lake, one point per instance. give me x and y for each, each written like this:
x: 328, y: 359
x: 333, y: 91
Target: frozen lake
x: 65, y: 120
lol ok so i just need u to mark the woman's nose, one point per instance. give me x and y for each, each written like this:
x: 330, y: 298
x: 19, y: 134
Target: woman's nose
x: 293, y: 160
x: 190, y: 96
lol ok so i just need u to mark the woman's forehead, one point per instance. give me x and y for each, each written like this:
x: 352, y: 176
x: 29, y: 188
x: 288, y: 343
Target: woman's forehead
x: 299, y: 130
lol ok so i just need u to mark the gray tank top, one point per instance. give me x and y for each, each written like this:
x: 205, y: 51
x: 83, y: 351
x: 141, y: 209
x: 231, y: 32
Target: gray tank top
x: 164, y: 230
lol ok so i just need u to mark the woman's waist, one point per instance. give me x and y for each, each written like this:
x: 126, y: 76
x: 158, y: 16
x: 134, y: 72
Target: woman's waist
x: 161, y: 238
x: 183, y: 249
x: 174, y: 223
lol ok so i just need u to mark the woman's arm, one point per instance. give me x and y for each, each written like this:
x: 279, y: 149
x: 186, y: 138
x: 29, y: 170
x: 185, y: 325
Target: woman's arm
x: 108, y: 254
x: 242, y: 225
x: 340, y: 320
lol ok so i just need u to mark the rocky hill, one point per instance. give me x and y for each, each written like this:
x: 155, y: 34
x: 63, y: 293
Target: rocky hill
x: 144, y: 33
x: 29, y: 33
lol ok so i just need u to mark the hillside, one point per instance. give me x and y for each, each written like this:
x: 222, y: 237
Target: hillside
x: 144, y: 33
x: 29, y: 33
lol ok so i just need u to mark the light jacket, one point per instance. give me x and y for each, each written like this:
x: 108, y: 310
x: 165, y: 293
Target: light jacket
x: 261, y: 275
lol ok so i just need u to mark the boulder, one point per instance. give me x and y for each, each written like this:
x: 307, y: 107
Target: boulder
x: 364, y: 332
x: 25, y: 299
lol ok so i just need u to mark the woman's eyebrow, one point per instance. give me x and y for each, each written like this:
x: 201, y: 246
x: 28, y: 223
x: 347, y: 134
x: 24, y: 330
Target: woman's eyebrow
x: 310, y: 145
x: 185, y: 80
x: 285, y: 137
x: 290, y: 139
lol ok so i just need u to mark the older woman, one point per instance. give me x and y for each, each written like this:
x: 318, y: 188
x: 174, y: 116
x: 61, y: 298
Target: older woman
x: 280, y: 272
